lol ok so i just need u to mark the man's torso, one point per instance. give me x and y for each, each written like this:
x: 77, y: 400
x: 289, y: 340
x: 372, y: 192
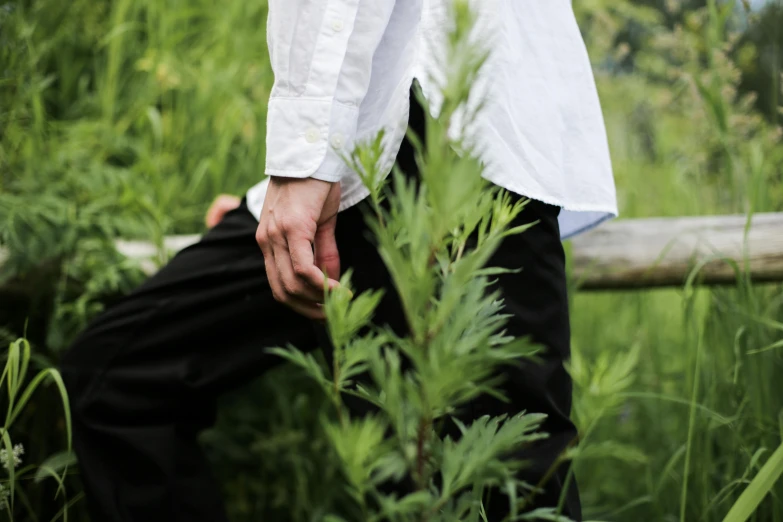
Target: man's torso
x: 541, y: 134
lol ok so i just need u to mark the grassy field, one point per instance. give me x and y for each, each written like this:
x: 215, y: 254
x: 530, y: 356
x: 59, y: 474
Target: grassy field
x: 125, y: 118
x: 686, y: 381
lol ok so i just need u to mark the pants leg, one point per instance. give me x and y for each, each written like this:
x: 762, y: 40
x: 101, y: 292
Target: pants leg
x: 537, y: 302
x: 144, y: 377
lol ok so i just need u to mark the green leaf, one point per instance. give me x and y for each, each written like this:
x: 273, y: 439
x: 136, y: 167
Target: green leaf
x: 546, y: 514
x: 478, y: 455
x: 52, y: 466
x: 360, y: 445
x: 303, y: 360
x: 412, y: 504
x: 606, y: 450
x: 759, y: 487
x: 28, y: 392
x: 333, y: 518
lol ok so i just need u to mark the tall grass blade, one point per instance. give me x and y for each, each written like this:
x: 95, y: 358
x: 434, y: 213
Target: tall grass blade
x: 28, y: 392
x: 759, y: 487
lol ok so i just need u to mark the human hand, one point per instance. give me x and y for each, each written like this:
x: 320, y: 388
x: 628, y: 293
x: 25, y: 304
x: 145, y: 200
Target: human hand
x: 222, y: 205
x: 296, y: 235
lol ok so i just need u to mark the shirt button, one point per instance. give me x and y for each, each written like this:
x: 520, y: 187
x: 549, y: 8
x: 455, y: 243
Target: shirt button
x: 337, y: 140
x: 312, y: 135
x: 338, y: 26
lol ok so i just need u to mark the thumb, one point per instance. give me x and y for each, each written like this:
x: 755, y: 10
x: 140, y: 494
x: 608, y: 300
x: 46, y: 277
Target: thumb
x: 327, y: 258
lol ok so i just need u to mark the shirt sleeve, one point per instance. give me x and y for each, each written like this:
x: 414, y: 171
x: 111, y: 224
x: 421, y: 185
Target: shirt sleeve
x: 321, y: 53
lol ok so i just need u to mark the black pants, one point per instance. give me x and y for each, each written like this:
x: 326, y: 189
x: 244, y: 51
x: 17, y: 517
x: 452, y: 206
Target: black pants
x: 145, y: 376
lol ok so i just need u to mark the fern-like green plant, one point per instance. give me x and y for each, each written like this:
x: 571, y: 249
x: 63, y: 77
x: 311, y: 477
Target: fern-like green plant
x: 435, y: 238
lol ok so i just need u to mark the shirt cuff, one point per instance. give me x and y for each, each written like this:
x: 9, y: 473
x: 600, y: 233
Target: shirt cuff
x: 307, y: 136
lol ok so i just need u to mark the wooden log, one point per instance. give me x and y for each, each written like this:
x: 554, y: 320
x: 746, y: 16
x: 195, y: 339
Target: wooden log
x: 633, y: 253
x: 148, y: 254
x: 640, y: 253
x: 658, y: 252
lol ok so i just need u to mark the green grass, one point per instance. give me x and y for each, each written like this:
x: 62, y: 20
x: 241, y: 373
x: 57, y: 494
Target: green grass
x: 682, y: 385
x: 125, y: 118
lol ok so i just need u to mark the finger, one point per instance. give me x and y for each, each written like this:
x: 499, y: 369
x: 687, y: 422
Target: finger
x: 293, y: 285
x: 272, y: 276
x: 303, y: 261
x: 266, y: 236
x: 308, y: 309
x: 327, y: 256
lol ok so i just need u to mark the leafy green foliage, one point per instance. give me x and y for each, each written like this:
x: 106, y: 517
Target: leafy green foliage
x: 676, y: 389
x: 18, y: 388
x: 119, y: 119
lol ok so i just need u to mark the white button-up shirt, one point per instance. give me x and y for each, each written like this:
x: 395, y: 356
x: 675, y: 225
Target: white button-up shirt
x: 343, y: 71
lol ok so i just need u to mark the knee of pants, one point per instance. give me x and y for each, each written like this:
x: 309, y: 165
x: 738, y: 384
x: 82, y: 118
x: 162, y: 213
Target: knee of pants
x: 106, y: 391
x: 86, y: 363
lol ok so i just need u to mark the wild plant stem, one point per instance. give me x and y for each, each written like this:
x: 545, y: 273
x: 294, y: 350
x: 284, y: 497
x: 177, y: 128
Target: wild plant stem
x: 421, y: 456
x: 336, y: 389
x: 691, y: 428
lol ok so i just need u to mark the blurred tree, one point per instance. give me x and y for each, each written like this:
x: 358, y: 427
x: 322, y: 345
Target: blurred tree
x: 617, y: 30
x: 760, y: 57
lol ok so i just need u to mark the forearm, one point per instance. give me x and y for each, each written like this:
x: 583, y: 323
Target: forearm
x: 321, y: 54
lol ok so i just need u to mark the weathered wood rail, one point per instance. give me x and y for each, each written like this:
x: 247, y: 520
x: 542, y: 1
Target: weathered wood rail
x: 657, y: 252
x: 635, y: 253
